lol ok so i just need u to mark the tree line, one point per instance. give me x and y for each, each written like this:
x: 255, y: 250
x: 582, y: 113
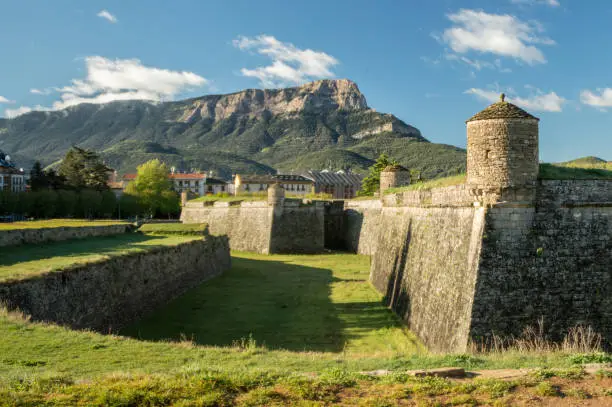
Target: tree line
x: 79, y: 189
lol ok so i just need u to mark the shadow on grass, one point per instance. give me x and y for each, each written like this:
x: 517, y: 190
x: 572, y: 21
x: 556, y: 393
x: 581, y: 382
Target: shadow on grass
x: 73, y: 248
x: 279, y: 305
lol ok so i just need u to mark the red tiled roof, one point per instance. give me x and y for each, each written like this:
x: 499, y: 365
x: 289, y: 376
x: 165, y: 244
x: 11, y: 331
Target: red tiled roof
x: 172, y: 176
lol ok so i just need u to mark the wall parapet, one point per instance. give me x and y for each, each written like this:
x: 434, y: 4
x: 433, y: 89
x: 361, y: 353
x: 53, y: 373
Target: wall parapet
x: 575, y: 192
x: 110, y: 293
x: 57, y: 234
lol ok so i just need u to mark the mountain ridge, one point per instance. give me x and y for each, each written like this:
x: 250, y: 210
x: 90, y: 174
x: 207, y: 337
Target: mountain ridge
x: 253, y: 130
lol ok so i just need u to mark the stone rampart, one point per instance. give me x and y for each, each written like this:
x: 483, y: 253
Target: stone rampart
x: 107, y: 294
x: 294, y: 226
x: 457, y: 272
x: 42, y: 235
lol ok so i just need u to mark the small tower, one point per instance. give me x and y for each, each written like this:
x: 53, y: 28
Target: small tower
x: 276, y: 194
x: 394, y: 176
x: 502, y: 152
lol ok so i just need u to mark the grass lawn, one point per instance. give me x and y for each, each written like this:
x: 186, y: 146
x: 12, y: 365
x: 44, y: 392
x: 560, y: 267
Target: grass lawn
x: 57, y: 223
x: 231, y: 198
x: 28, y: 260
x: 301, y: 303
x: 561, y: 172
x: 174, y: 228
x: 434, y: 183
x: 274, y: 330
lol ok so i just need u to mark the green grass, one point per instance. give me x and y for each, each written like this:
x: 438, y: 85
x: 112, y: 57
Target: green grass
x: 25, y: 261
x: 284, y: 329
x: 270, y: 300
x: 562, y: 172
x: 434, y: 183
x: 174, y: 228
x: 57, y: 223
x: 259, y: 196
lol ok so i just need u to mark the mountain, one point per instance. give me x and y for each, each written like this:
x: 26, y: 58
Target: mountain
x: 588, y: 162
x: 323, y: 124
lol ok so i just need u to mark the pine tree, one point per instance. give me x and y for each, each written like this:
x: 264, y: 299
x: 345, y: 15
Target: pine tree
x: 84, y: 169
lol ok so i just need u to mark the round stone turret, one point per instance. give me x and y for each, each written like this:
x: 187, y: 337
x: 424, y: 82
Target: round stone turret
x: 276, y: 194
x: 502, y: 151
x: 394, y: 176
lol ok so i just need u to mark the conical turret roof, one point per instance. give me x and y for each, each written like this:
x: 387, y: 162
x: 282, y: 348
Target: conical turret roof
x: 502, y: 110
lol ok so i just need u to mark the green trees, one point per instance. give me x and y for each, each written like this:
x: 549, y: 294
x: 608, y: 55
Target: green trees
x: 153, y: 189
x: 84, y: 169
x: 371, y: 183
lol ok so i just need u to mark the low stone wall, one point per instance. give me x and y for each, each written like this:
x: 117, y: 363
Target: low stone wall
x: 42, y: 235
x: 293, y: 227
x: 108, y: 294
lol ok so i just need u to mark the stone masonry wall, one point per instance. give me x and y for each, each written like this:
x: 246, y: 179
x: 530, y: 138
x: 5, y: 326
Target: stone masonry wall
x: 551, y: 262
x: 456, y: 272
x: 293, y: 227
x: 298, y: 228
x: 33, y: 236
x: 425, y: 262
x: 502, y: 152
x: 110, y: 293
x: 247, y: 224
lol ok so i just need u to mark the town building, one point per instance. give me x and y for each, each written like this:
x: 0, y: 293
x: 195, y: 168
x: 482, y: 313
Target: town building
x: 216, y: 186
x: 340, y: 184
x: 11, y: 178
x: 292, y: 184
x: 193, y: 183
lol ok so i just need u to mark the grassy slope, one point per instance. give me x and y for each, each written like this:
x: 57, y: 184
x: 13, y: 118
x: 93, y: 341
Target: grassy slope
x: 25, y: 261
x: 56, y: 223
x: 370, y: 334
x: 294, y: 302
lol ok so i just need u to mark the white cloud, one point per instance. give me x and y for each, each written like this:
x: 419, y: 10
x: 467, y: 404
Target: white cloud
x: 536, y: 101
x: 502, y: 35
x: 10, y: 113
x: 107, y: 16
x: 552, y: 3
x: 601, y: 99
x: 121, y: 79
x: 290, y: 65
x: 46, y: 91
x: 5, y: 100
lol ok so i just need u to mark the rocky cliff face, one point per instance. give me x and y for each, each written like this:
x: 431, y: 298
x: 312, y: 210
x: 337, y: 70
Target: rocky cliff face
x: 315, y: 97
x: 325, y: 124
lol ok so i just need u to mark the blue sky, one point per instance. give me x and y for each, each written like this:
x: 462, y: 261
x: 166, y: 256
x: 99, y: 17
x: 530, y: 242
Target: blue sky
x: 431, y: 63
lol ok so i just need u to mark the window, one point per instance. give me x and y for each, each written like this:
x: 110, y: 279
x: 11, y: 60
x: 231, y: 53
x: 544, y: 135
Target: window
x: 197, y: 183
x: 261, y: 187
x: 222, y: 188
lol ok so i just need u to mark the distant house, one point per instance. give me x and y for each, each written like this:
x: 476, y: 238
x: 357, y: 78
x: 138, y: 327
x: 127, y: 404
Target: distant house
x: 11, y: 178
x: 182, y: 182
x: 216, y: 186
x: 293, y: 184
x: 340, y: 184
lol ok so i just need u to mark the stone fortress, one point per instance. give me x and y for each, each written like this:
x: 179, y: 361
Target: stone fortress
x: 460, y: 264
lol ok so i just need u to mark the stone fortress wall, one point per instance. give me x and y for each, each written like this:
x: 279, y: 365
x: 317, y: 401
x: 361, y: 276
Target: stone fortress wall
x: 110, y: 293
x: 459, y: 264
x: 457, y: 273
x: 275, y: 226
x: 42, y: 235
